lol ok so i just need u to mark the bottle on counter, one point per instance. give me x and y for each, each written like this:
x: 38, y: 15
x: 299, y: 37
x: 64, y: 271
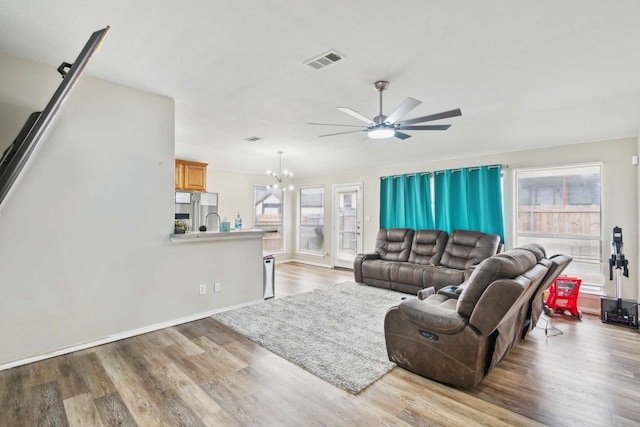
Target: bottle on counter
x: 238, y: 222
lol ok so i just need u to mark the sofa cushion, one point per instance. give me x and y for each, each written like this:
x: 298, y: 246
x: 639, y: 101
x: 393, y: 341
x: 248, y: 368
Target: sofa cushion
x: 506, y: 265
x: 377, y: 269
x: 466, y: 248
x: 440, y: 277
x: 441, y: 300
x: 427, y: 246
x: 408, y: 273
x: 394, y: 244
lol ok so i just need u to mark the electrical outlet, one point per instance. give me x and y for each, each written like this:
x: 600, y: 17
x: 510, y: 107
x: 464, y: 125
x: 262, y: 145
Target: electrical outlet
x: 203, y: 289
x: 216, y: 287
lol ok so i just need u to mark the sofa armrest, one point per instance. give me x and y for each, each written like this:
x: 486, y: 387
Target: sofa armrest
x: 432, y: 318
x: 450, y: 291
x: 357, y: 265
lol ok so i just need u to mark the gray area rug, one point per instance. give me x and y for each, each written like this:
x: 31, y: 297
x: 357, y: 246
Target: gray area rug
x: 336, y: 333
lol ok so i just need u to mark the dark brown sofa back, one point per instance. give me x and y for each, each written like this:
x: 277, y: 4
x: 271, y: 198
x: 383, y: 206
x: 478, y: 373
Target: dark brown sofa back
x: 466, y: 248
x: 506, y: 265
x: 394, y: 244
x: 427, y: 246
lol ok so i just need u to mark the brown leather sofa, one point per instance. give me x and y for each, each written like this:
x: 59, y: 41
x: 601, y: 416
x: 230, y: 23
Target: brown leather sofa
x: 457, y: 340
x: 407, y: 261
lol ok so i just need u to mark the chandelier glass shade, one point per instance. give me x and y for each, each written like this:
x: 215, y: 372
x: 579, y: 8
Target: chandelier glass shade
x: 280, y: 177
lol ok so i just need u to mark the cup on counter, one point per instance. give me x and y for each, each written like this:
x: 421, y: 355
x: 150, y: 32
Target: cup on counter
x: 225, y: 226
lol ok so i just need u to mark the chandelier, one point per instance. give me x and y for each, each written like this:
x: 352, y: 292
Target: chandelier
x: 280, y: 176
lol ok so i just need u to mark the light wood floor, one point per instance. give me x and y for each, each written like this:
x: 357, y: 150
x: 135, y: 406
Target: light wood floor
x: 202, y: 373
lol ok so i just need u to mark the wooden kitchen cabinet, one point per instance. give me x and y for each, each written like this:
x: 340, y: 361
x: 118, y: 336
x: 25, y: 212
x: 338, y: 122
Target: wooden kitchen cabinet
x: 191, y: 176
x: 179, y: 175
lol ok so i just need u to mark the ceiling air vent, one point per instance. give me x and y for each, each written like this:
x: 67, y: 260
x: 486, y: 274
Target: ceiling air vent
x: 324, y: 60
x: 253, y: 139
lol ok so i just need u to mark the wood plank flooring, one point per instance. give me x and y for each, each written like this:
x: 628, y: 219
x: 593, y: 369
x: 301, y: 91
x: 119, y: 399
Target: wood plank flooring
x: 203, y: 374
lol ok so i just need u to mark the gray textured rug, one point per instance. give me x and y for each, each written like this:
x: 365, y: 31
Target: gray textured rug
x: 336, y: 333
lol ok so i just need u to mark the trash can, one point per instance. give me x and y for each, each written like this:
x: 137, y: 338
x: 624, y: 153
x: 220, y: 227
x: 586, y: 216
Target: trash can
x: 269, y: 272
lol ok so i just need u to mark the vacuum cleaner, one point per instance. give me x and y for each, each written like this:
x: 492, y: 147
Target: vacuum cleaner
x: 616, y: 310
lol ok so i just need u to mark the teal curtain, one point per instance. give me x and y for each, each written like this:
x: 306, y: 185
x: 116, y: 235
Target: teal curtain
x: 405, y: 202
x: 469, y: 199
x: 441, y: 180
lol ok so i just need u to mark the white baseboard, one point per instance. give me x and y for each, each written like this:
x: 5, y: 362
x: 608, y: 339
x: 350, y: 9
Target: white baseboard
x: 120, y: 336
x: 315, y: 264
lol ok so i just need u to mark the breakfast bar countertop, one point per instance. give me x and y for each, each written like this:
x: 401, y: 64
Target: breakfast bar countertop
x: 215, y: 235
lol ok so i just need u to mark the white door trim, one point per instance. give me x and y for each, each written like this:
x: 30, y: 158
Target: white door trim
x: 358, y: 187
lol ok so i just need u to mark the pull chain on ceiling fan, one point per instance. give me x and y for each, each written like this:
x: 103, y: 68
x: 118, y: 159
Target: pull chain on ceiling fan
x: 387, y: 126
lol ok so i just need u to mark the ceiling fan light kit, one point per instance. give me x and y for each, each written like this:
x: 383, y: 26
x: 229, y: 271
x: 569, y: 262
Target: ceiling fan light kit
x: 280, y: 176
x: 382, y: 127
x: 381, y: 133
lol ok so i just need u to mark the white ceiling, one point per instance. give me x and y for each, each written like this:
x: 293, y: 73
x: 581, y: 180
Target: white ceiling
x: 524, y: 74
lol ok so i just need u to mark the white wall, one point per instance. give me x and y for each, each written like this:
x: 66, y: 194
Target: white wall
x: 619, y: 193
x: 85, y: 252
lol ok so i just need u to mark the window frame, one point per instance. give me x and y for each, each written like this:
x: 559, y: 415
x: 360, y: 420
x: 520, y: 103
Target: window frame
x: 282, y: 248
x: 588, y: 286
x: 321, y: 252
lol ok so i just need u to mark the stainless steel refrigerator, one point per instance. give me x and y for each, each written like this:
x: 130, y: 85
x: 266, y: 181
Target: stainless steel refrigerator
x: 194, y: 208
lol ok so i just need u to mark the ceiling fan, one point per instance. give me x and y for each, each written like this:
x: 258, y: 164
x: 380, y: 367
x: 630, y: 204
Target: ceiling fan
x: 387, y: 126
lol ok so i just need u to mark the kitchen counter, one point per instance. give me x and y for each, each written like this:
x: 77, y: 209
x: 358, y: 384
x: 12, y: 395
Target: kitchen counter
x: 215, y: 235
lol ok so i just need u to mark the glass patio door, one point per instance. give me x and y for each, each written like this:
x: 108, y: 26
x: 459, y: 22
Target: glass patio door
x: 347, y: 223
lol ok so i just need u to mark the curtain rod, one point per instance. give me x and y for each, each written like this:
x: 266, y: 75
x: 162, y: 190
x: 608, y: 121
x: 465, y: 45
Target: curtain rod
x: 472, y: 168
x: 407, y: 174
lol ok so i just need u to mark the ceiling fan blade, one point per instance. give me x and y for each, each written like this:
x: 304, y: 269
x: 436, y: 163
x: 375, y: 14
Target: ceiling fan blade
x: 402, y: 135
x: 425, y: 127
x: 357, y: 115
x: 443, y: 115
x: 402, y: 109
x: 333, y: 124
x: 342, y: 133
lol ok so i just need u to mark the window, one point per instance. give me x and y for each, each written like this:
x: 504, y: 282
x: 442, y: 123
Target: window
x: 311, y: 221
x: 268, y: 215
x: 560, y: 209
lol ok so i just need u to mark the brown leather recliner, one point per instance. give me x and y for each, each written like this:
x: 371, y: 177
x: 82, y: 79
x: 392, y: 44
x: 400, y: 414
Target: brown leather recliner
x: 457, y: 341
x: 427, y: 248
x: 392, y: 245
x: 466, y: 248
